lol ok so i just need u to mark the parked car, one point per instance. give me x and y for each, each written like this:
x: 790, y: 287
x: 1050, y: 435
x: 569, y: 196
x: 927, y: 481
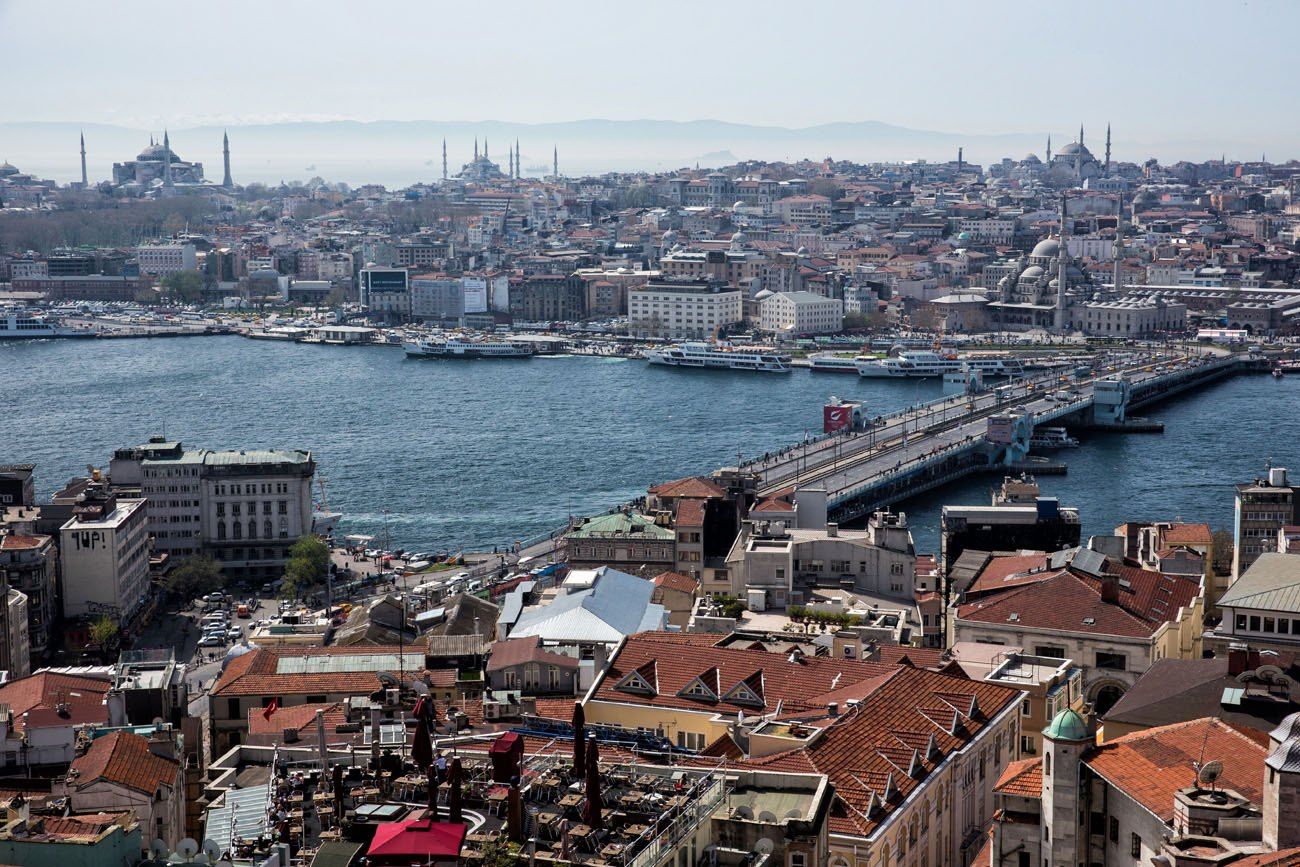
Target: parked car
x: 212, y: 641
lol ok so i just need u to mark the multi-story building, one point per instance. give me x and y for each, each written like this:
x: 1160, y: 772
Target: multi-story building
x: 912, y: 754
x: 1133, y: 317
x: 682, y: 309
x: 548, y: 298
x: 160, y: 260
x: 17, y: 485
x: 1263, y: 507
x: 1114, y: 620
x: 244, y: 507
x: 796, y: 314
x: 783, y: 565
x: 386, y: 292
x: 1150, y: 797
x: 735, y: 266
x: 626, y: 541
x: 29, y: 564
x: 1261, y: 608
x: 104, y: 550
x: 437, y: 298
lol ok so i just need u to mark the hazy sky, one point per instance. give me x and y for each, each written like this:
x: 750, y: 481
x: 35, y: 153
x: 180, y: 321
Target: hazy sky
x: 1192, y: 70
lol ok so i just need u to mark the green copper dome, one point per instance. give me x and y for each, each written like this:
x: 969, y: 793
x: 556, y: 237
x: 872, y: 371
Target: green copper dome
x: 1067, y: 726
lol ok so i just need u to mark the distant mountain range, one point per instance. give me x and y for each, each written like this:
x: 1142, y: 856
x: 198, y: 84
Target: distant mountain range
x: 402, y: 152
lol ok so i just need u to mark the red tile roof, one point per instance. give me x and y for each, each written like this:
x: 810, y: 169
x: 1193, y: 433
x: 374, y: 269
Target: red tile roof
x: 123, y: 758
x: 871, y: 748
x: 1150, y: 765
x: 517, y: 651
x: 254, y: 673
x: 1188, y: 534
x: 1066, y: 599
x: 1023, y: 779
x: 15, y: 542
x: 690, y: 512
x: 1012, y: 570
x: 676, y: 581
x: 660, y: 658
x: 692, y: 486
x: 301, y: 717
x: 40, y: 694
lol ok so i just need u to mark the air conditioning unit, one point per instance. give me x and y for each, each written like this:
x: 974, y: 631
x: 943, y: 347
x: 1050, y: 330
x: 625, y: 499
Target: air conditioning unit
x: 393, y: 697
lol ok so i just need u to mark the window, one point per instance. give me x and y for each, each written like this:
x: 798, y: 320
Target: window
x: 1241, y: 621
x: 1024, y: 707
x: 798, y: 859
x: 1027, y: 745
x: 1254, y: 623
x: 221, y: 529
x: 1135, y: 845
x: 1114, y: 830
x: 1049, y: 651
x: 1111, y: 661
x: 221, y: 510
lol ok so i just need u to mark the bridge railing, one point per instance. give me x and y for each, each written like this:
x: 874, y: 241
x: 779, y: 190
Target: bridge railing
x: 906, y: 469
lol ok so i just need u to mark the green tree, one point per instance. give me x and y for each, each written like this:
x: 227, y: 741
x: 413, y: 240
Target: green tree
x: 195, y: 576
x: 183, y: 286
x: 103, y: 630
x: 309, y: 559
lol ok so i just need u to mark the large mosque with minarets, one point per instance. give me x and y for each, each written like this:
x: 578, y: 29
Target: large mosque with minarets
x: 157, y: 163
x: 1047, y: 290
x: 1072, y: 166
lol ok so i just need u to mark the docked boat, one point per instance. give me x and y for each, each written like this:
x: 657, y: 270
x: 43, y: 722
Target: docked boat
x: 830, y: 363
x: 927, y: 363
x: 1052, y: 438
x: 719, y: 357
x: 1278, y: 373
x: 21, y: 325
x: 456, y: 347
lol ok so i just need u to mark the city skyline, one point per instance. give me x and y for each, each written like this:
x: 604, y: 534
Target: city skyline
x: 1009, y: 70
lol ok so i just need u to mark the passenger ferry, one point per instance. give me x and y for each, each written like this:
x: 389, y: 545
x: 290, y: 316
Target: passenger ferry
x: 1052, y: 438
x: 830, y: 363
x: 719, y: 356
x: 456, y: 347
x: 21, y: 325
x: 925, y: 363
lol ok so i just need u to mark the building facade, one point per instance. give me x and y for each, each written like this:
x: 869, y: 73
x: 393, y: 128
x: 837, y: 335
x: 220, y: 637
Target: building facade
x: 104, y: 549
x: 682, y: 309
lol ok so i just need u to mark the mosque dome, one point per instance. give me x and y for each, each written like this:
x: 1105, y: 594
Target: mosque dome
x: 738, y: 238
x: 1287, y: 729
x: 1067, y: 726
x: 1048, y: 248
x: 739, y: 206
x: 8, y: 169
x: 236, y: 651
x: 1030, y: 274
x: 763, y: 293
x: 1031, y: 158
x: 963, y: 236
x: 802, y: 251
x: 1074, y: 148
x: 670, y: 235
x: 154, y: 152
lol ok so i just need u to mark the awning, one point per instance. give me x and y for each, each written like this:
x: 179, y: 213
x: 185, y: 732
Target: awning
x: 417, y: 837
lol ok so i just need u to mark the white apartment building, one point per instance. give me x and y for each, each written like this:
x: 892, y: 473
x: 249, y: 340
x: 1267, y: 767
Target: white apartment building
x: 682, y: 309
x: 245, y: 508
x: 793, y: 314
x: 437, y: 298
x: 163, y: 259
x: 474, y: 292
x: 104, y: 548
x: 990, y: 230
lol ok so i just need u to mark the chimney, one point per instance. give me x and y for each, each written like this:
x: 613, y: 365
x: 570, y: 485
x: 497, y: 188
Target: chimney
x: 832, y: 530
x: 162, y: 745
x: 1241, y: 659
x: 1110, y: 589
x: 833, y: 709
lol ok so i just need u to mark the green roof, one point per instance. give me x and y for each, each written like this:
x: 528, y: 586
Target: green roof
x: 256, y: 456
x: 621, y: 526
x: 1067, y: 726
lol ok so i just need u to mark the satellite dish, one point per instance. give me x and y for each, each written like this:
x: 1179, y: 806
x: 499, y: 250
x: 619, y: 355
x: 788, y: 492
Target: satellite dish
x: 158, y: 849
x: 212, y: 849
x: 187, y: 848
x: 1209, y: 772
x: 764, y: 846
x: 387, y: 678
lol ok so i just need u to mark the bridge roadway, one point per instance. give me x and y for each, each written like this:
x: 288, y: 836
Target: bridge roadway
x: 935, y: 436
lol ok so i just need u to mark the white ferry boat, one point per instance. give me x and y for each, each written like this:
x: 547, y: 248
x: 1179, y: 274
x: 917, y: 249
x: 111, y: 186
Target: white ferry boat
x: 829, y: 363
x: 925, y: 363
x: 455, y: 347
x: 719, y: 356
x: 1052, y: 438
x: 21, y: 325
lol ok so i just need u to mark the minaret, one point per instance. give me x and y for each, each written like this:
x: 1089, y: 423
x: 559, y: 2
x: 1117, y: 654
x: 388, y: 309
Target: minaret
x: 555, y: 161
x: 83, y: 160
x: 225, y: 158
x: 167, y: 160
x: 485, y: 148
x: 1081, y: 136
x: 475, y: 148
x: 959, y: 160
x: 510, y: 161
x: 444, y: 159
x: 1058, y: 315
x: 1119, y: 230
x: 1107, y: 149
x: 519, y: 169
x: 1049, y: 148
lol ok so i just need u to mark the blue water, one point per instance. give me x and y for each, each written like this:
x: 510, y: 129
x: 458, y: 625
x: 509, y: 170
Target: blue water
x: 476, y: 454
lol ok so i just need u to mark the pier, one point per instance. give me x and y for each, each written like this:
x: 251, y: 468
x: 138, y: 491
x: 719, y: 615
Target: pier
x: 918, y: 449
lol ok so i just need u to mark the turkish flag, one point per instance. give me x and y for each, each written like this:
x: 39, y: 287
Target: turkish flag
x: 270, y: 709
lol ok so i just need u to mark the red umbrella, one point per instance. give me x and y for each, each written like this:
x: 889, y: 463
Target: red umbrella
x: 453, y: 794
x: 593, y: 784
x: 579, y: 739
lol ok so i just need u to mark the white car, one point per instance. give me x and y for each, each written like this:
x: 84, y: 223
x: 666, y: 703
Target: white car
x: 212, y: 641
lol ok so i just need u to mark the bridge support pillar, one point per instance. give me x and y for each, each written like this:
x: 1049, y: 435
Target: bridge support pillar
x: 1110, y: 398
